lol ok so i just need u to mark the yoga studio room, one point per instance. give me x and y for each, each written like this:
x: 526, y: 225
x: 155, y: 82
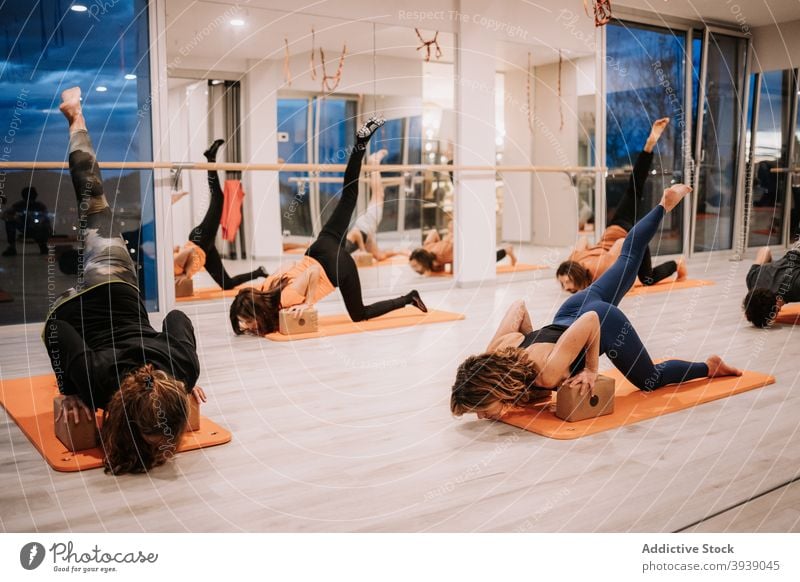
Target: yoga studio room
x: 407, y: 274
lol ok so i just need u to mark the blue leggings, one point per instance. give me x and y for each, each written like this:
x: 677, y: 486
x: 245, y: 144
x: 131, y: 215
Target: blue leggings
x: 618, y: 339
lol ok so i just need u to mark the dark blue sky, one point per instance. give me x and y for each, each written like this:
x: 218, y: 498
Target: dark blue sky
x: 46, y: 47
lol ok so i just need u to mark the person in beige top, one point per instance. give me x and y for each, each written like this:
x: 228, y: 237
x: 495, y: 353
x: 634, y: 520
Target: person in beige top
x: 437, y: 252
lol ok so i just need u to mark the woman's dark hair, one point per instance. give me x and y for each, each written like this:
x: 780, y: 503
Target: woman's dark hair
x: 144, y: 421
x: 760, y: 306
x: 423, y: 257
x: 259, y: 306
x: 579, y: 274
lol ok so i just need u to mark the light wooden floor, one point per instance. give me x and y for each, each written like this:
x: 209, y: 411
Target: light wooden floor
x: 354, y: 433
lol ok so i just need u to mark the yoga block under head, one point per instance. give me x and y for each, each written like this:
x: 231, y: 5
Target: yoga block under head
x: 572, y: 407
x: 363, y: 259
x: 306, y: 323
x: 184, y: 287
x: 193, y: 422
x: 76, y: 437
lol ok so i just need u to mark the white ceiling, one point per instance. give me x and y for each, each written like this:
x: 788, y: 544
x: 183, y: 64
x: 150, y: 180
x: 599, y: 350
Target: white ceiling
x: 751, y: 13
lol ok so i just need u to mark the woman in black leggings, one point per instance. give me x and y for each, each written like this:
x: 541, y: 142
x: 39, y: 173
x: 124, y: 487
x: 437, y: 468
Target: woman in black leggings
x: 201, y: 251
x: 325, y: 266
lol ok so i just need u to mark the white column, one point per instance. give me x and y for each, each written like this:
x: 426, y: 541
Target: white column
x: 262, y: 206
x: 517, y: 185
x: 474, y: 200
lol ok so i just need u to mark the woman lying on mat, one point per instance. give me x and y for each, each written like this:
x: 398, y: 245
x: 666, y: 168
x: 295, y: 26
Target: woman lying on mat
x: 586, y: 263
x: 521, y: 366
x: 364, y: 234
x: 437, y: 252
x: 771, y: 284
x: 325, y: 266
x: 200, y: 251
x: 104, y: 352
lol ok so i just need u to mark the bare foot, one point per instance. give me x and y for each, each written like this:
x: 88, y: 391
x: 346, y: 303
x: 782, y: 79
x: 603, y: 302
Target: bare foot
x: 659, y: 125
x: 673, y: 195
x: 71, y: 103
x: 377, y: 157
x: 682, y: 270
x: 511, y: 255
x: 718, y: 368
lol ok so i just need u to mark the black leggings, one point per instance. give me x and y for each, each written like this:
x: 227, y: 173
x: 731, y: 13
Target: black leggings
x: 625, y: 217
x: 204, y: 234
x: 329, y: 248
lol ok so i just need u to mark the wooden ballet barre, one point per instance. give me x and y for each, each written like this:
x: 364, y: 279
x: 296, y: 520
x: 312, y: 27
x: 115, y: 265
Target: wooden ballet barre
x: 255, y: 167
x: 335, y: 180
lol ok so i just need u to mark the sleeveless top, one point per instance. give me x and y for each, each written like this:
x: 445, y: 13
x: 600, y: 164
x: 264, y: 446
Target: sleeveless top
x: 549, y: 334
x: 289, y: 296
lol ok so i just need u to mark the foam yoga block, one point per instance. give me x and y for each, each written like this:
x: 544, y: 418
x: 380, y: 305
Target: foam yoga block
x: 184, y: 287
x: 572, y: 407
x: 76, y: 437
x: 363, y: 259
x: 193, y: 422
x: 308, y: 322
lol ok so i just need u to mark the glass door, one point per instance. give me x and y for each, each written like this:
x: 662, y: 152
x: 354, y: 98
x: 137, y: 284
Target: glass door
x: 722, y: 97
x: 793, y: 227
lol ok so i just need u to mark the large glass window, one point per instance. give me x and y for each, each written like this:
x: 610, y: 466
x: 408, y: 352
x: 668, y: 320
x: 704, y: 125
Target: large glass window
x: 293, y: 149
x: 104, y: 50
x: 794, y: 221
x: 645, y: 80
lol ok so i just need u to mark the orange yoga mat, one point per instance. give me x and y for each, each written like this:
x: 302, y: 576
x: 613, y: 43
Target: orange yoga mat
x: 632, y: 405
x: 789, y: 314
x: 503, y: 269
x: 342, y: 324
x: 210, y: 293
x: 667, y: 286
x: 29, y: 401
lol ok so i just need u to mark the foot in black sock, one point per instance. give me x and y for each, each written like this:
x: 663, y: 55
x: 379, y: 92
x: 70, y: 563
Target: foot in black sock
x: 262, y: 272
x: 367, y: 130
x: 211, y: 152
x: 415, y: 300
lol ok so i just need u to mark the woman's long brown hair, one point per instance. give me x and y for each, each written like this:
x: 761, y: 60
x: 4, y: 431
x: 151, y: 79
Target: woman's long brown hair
x: 505, y: 376
x: 259, y: 306
x: 144, y: 421
x: 579, y: 274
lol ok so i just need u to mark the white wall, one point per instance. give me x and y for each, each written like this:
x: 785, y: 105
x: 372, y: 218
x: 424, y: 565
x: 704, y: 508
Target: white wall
x: 776, y: 47
x: 517, y: 191
x: 555, y: 200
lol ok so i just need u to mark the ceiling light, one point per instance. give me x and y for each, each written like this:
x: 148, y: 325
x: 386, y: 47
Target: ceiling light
x: 217, y: 82
x: 78, y: 8
x: 237, y: 22
x: 130, y: 76
x: 101, y: 89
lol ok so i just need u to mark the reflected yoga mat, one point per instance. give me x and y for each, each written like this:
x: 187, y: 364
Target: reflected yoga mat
x: 667, y: 285
x: 210, y: 293
x: 631, y: 405
x: 503, y: 269
x: 789, y: 314
x: 342, y: 324
x: 29, y: 401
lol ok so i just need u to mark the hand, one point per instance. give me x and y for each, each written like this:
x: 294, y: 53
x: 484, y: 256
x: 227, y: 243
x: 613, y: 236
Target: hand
x: 73, y: 405
x: 199, y: 394
x: 583, y: 381
x: 297, y: 310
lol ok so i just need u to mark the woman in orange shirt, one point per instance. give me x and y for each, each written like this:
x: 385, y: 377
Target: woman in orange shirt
x: 200, y: 250
x: 325, y: 266
x: 587, y: 263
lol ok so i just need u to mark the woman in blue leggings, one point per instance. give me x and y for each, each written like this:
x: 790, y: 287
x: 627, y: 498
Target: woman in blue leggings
x: 522, y: 366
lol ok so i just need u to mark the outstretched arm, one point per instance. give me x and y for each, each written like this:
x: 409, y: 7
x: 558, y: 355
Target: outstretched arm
x: 515, y: 324
x: 584, y: 334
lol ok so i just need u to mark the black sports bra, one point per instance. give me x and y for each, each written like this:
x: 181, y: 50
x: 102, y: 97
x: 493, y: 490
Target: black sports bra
x: 549, y: 334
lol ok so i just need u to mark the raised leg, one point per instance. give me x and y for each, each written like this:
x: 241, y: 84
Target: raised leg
x: 203, y: 234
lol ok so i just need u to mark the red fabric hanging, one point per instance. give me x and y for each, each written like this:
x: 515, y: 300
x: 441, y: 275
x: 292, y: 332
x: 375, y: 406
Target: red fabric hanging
x: 232, y: 209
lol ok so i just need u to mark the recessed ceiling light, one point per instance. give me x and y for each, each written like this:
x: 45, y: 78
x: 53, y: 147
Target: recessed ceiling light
x: 237, y: 22
x: 217, y: 82
x: 101, y: 89
x: 78, y: 8
x: 130, y: 76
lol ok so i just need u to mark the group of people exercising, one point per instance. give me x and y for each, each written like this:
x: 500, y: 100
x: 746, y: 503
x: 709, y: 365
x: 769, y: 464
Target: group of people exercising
x: 142, y: 378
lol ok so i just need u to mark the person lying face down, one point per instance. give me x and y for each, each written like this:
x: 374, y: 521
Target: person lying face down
x: 104, y: 352
x: 586, y: 263
x: 521, y: 365
x: 771, y: 284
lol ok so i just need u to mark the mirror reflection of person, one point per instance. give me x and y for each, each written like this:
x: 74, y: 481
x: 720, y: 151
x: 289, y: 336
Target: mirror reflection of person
x: 28, y: 217
x: 436, y: 253
x: 587, y: 263
x: 770, y: 285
